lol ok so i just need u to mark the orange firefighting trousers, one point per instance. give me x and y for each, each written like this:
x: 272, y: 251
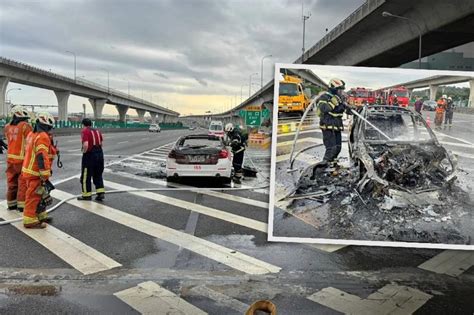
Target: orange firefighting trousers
x: 33, y: 199
x: 16, y: 186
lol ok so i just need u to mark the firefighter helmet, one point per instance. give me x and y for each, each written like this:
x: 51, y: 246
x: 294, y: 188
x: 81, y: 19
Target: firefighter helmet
x: 45, y: 118
x: 229, y: 127
x: 337, y: 84
x: 19, y: 112
x: 450, y: 98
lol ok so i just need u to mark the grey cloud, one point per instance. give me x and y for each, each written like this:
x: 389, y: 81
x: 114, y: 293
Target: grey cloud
x: 216, y: 43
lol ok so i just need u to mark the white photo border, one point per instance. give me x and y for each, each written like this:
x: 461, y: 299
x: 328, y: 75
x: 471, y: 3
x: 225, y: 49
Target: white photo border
x: 324, y: 241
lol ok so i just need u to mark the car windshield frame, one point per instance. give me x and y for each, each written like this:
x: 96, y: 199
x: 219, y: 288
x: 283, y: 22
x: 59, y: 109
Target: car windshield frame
x: 389, y: 110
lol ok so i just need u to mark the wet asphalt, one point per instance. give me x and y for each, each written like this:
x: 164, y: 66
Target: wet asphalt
x: 31, y: 274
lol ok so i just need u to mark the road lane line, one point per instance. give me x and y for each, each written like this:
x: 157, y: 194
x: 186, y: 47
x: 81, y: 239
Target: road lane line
x: 150, y: 298
x: 191, y: 206
x: 217, y: 194
x: 440, y: 134
x: 327, y: 247
x: 462, y: 154
x: 450, y: 262
x: 452, y: 144
x: 151, y: 158
x: 74, y: 150
x: 121, y: 142
x: 80, y: 256
x: 308, y: 139
x: 220, y: 299
x: 391, y: 299
x: 301, y: 157
x: 221, y: 254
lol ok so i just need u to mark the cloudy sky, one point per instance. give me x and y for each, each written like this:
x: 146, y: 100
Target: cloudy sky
x: 189, y: 55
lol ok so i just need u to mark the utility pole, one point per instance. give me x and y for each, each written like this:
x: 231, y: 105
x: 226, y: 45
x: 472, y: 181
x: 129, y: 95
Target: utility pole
x: 241, y: 87
x: 250, y: 81
x: 304, y: 17
x: 261, y: 70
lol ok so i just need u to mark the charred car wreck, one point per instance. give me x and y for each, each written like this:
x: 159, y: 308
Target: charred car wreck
x: 398, y: 183
x: 398, y: 155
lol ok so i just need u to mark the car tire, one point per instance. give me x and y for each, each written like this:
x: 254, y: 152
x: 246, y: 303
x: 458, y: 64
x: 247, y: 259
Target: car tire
x: 226, y: 180
x: 171, y: 179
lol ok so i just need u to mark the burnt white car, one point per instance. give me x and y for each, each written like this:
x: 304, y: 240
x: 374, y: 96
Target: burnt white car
x: 199, y: 156
x: 396, y: 151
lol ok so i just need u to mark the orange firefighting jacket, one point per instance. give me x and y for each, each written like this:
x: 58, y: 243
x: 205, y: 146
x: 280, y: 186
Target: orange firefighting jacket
x: 16, y: 137
x: 37, y: 143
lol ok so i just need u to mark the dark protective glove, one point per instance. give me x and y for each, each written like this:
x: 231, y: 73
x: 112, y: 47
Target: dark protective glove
x: 3, y: 145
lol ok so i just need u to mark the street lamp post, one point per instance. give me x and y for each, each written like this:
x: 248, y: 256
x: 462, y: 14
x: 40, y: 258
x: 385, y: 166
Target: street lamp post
x: 261, y: 70
x: 241, y: 87
x: 13, y: 89
x: 388, y: 14
x: 75, y: 68
x: 108, y: 80
x: 250, y: 81
x: 304, y: 17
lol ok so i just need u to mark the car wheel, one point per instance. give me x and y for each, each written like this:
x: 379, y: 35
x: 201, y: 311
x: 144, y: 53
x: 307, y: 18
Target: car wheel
x: 171, y: 179
x: 226, y: 180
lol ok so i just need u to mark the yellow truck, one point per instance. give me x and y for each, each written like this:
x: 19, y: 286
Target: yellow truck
x: 292, y: 97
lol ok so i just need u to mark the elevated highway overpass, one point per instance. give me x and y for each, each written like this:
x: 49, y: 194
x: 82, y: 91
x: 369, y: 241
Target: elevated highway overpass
x: 366, y: 38
x: 264, y: 95
x: 63, y: 87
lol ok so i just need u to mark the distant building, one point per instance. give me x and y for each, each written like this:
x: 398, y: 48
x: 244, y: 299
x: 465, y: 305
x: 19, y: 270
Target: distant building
x: 457, y: 59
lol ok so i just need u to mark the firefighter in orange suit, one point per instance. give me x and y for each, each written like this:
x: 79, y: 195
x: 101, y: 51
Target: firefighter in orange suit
x: 36, y: 171
x: 16, y: 132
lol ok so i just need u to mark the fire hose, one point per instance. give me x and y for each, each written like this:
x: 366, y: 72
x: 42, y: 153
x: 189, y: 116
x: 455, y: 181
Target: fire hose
x: 61, y: 202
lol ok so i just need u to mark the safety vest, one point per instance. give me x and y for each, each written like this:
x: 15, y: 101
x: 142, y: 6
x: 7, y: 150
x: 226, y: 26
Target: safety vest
x: 16, y: 138
x: 36, y: 143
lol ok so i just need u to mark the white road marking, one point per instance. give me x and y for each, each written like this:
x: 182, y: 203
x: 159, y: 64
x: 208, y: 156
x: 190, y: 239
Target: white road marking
x: 452, y: 144
x: 302, y: 156
x: 121, y: 142
x: 391, y: 299
x: 220, y: 299
x: 80, y: 256
x: 327, y: 247
x: 137, y: 159
x: 152, y: 158
x: 75, y: 140
x: 440, y: 134
x: 150, y: 298
x: 215, y: 213
x: 301, y: 132
x: 221, y: 254
x: 74, y: 150
x: 464, y: 155
x: 217, y: 194
x: 450, y: 262
x: 308, y: 139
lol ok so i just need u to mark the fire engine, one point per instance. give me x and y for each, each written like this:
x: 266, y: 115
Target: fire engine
x: 402, y: 95
x: 359, y: 96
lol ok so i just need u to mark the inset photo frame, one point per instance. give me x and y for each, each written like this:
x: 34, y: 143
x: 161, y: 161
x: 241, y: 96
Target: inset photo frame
x: 372, y: 156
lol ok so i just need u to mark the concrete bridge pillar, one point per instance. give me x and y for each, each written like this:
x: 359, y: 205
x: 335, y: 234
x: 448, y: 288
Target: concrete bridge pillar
x: 433, y: 91
x: 470, y: 102
x: 410, y: 91
x: 62, y: 97
x: 141, y: 115
x: 164, y: 118
x: 153, y: 117
x: 3, y: 90
x: 97, y: 106
x: 122, y: 110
